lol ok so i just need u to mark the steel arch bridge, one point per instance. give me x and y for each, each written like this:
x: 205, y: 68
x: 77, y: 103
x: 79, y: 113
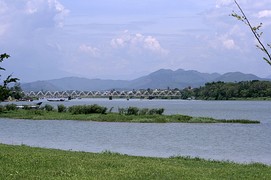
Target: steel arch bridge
x: 96, y: 94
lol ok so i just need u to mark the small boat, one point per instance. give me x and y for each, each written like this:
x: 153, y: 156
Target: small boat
x: 36, y: 106
x: 56, y: 100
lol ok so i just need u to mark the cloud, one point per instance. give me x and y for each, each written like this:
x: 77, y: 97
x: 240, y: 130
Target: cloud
x: 153, y: 44
x: 50, y: 10
x: 89, y: 50
x: 228, y: 32
x: 138, y: 43
x: 29, y: 15
x: 26, y: 22
x: 264, y: 14
x: 3, y: 8
x: 29, y: 32
x: 221, y: 3
x: 223, y: 42
x: 228, y: 43
x: 3, y: 29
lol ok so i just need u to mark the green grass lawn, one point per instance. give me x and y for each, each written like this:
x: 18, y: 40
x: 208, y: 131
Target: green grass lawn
x: 23, y: 162
x: 113, y: 117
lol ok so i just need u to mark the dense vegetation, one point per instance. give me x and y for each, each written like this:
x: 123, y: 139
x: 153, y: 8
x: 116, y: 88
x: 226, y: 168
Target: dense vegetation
x: 227, y: 91
x: 22, y: 162
x: 100, y: 113
x: 5, y: 90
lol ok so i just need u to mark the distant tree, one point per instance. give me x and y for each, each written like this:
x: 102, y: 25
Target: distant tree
x: 16, y: 91
x: 5, y: 91
x: 241, y: 90
x: 256, y: 32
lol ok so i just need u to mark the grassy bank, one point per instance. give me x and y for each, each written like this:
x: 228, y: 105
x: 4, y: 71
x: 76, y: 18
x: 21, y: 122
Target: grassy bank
x: 113, y: 117
x: 22, y: 162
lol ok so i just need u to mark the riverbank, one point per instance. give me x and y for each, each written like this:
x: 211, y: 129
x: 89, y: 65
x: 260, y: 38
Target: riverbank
x: 114, y: 117
x: 23, y: 162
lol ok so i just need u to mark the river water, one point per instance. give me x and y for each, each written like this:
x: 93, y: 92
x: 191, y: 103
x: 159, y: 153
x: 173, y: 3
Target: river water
x: 242, y: 143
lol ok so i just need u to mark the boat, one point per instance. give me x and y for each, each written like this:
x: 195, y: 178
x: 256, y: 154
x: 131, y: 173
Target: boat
x: 56, y: 99
x: 36, y: 106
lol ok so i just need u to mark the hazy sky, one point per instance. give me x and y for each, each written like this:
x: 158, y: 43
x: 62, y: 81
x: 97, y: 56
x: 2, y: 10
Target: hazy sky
x: 125, y: 39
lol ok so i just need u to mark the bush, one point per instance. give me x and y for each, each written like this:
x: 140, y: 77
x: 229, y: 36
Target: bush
x: 160, y: 111
x: 96, y: 109
x: 110, y: 110
x: 2, y: 108
x: 137, y: 111
x: 49, y: 107
x: 143, y: 111
x: 61, y: 108
x: 132, y: 111
x: 181, y: 118
x: 26, y: 107
x: 38, y: 112
x: 87, y: 109
x: 11, y: 107
x: 156, y: 111
x: 122, y: 111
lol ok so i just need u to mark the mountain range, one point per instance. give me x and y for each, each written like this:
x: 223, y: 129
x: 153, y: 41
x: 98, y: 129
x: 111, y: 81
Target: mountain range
x: 161, y: 79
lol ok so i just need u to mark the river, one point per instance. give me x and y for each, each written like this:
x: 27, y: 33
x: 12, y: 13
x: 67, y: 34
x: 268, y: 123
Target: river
x: 242, y: 143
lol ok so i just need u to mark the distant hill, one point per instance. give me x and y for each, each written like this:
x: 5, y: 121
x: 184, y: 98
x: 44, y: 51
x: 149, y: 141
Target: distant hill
x: 164, y: 78
x: 40, y: 86
x: 160, y: 79
x: 237, y: 77
x: 75, y: 83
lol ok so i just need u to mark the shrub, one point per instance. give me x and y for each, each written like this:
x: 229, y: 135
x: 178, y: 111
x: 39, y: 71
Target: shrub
x: 151, y: 112
x: 26, y: 107
x: 156, y: 111
x: 132, y: 111
x: 181, y: 118
x: 49, y: 107
x: 71, y: 109
x: 87, y: 109
x: 143, y: 111
x: 111, y: 109
x: 96, y: 109
x: 61, y: 108
x: 137, y: 111
x: 38, y: 112
x: 11, y: 107
x: 160, y: 111
x: 122, y: 111
x: 2, y: 108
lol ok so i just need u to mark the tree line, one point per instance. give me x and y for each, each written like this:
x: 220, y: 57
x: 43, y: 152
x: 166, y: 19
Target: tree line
x: 229, y: 90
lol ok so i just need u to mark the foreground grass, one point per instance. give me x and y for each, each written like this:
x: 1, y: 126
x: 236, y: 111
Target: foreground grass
x: 113, y: 117
x: 23, y: 162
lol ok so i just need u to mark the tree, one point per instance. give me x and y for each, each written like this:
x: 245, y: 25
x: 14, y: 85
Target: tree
x: 256, y: 32
x: 5, y: 91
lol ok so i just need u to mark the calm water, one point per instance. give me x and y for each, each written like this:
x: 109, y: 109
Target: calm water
x: 234, y: 142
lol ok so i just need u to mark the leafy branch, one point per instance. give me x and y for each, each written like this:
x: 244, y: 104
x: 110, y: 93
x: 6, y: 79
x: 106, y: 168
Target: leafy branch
x: 2, y: 57
x: 4, y: 89
x: 255, y: 30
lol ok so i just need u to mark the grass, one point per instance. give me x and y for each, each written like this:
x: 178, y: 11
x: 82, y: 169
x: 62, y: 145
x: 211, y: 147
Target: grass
x: 23, y: 162
x: 114, y: 117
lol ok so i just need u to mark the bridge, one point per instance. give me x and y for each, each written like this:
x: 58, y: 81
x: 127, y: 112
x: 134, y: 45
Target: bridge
x: 105, y: 94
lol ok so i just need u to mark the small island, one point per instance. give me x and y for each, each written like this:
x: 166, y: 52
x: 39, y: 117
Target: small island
x: 102, y: 114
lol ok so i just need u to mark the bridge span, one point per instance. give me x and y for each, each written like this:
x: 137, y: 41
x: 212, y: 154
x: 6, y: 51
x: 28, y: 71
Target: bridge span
x: 105, y: 94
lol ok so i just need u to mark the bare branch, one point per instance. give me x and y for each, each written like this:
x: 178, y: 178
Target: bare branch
x: 255, y: 32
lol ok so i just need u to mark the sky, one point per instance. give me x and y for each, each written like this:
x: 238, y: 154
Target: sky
x: 127, y: 39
